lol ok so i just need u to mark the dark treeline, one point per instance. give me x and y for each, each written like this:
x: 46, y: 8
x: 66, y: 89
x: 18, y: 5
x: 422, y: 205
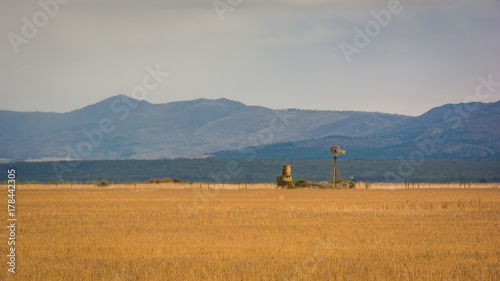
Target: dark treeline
x: 253, y: 171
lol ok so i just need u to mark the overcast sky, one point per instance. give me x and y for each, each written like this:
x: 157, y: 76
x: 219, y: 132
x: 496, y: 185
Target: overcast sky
x: 278, y: 54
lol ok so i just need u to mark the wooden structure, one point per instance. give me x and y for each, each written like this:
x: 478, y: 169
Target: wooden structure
x: 285, y: 180
x: 458, y: 184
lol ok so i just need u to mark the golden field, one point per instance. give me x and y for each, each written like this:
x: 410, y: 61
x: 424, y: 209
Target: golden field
x: 128, y: 232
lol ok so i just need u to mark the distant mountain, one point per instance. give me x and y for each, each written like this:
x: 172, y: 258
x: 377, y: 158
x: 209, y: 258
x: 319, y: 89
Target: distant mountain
x: 123, y: 128
x: 454, y: 131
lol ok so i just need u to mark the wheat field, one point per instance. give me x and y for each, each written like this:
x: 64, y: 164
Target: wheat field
x: 190, y: 233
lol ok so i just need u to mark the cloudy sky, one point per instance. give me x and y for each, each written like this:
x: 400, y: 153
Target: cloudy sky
x: 278, y: 54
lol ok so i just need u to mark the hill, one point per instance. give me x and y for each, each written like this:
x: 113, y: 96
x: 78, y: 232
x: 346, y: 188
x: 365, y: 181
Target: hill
x: 453, y: 131
x: 123, y: 128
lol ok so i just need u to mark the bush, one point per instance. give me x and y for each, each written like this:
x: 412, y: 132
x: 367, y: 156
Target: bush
x: 154, y: 180
x: 165, y: 180
x: 102, y: 182
x: 345, y: 184
x: 299, y: 183
x: 177, y: 180
x: 310, y: 184
x: 313, y: 184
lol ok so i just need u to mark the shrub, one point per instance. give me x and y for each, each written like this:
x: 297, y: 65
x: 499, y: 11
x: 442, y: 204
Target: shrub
x: 165, y: 180
x: 310, y: 184
x: 322, y: 184
x: 299, y: 183
x: 102, y: 182
x: 154, y: 180
x: 313, y: 184
x: 177, y: 180
x: 351, y: 184
x: 345, y: 184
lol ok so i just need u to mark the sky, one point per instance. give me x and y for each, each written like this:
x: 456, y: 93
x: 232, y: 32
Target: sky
x: 391, y: 56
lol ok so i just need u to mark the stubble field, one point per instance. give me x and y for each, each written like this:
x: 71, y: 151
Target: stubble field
x: 207, y: 234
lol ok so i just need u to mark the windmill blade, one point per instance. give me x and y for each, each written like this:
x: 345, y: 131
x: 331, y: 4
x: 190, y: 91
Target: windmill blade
x: 335, y: 150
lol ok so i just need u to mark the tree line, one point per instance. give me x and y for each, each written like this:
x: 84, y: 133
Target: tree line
x: 253, y: 171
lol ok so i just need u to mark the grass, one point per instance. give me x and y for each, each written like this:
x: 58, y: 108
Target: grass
x: 201, y: 234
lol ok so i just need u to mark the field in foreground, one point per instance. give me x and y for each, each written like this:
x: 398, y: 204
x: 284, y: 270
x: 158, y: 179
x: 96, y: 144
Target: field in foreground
x: 192, y: 234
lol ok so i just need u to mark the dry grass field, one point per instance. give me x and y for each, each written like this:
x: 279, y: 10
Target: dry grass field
x: 254, y: 234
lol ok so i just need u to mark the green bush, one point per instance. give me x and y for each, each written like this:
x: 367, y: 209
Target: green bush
x: 299, y: 182
x: 177, y: 180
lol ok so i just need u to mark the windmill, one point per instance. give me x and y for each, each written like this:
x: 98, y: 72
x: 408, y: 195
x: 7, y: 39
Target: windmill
x: 334, y: 173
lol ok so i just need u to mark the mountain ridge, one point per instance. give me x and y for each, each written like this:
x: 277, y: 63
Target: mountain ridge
x: 445, y: 132
x: 142, y: 130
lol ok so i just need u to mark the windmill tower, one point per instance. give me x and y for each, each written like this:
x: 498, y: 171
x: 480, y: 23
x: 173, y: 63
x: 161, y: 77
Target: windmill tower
x: 335, y: 173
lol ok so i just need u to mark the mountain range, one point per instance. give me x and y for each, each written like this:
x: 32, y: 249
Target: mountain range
x: 124, y: 128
